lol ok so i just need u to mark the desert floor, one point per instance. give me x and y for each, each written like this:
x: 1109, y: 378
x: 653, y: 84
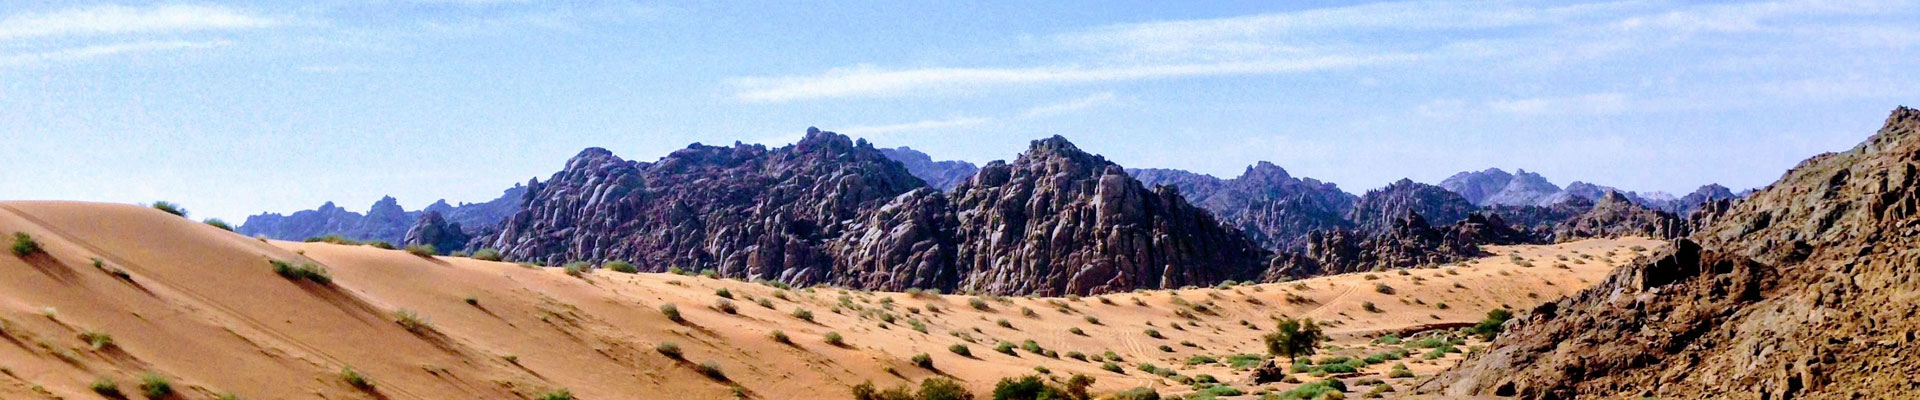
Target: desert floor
x: 124, y: 293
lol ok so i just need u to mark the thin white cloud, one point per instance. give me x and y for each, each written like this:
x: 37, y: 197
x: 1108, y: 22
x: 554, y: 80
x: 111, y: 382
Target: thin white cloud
x: 1596, y: 103
x: 932, y: 124
x: 115, y: 19
x: 104, y: 50
x: 1091, y: 101
x: 869, y: 81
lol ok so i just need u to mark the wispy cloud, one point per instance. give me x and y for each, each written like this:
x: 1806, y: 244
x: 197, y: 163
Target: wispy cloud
x: 925, y: 125
x: 1434, y: 37
x: 1596, y: 103
x: 115, y: 19
x: 1091, y: 101
x: 97, y: 51
x: 869, y: 81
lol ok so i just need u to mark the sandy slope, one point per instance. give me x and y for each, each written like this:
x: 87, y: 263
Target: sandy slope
x: 201, y: 307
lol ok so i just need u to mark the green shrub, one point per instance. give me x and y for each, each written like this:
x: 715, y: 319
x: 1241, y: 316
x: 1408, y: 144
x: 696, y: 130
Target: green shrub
x: 1155, y: 334
x: 725, y: 306
x: 672, y: 312
x: 1076, y: 330
x: 381, y: 245
x: 355, y: 378
x: 781, y: 337
x: 1029, y: 387
x: 487, y: 255
x: 561, y: 394
x: 98, y: 340
x: 834, y: 338
x: 1316, y: 390
x: 923, y: 360
x: 24, y: 245
x: 960, y: 349
x: 1293, y: 338
x: 711, y: 370
x: 1166, y: 348
x: 723, y: 293
x: 155, y: 386
x: 576, y: 269
x: 669, y: 349
x: 106, y: 387
x: 977, y: 304
x: 422, y: 250
x: 1370, y: 307
x: 1112, y: 367
x: 1382, y: 288
x: 1139, y: 393
x: 620, y: 266
x: 1004, y: 324
x: 217, y: 223
x: 170, y: 208
x: 1400, y: 371
x: 411, y: 321
x: 803, y: 314
x: 1490, y: 327
x: 305, y: 271
x: 1006, y: 348
x: 1201, y: 359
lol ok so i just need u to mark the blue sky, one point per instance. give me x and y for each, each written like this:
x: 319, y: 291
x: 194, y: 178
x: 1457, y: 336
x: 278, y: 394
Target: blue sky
x: 237, y: 108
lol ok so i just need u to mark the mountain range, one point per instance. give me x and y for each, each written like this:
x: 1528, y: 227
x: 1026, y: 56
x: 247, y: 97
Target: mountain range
x: 1056, y: 220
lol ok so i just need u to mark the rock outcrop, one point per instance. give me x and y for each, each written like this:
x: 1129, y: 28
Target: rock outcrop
x: 1060, y: 221
x: 829, y: 209
x: 1477, y: 186
x: 435, y: 230
x: 1382, y: 208
x: 1802, y: 290
x: 1276, y: 209
x: 1408, y: 242
x: 745, y: 211
x: 1526, y: 188
x: 386, y: 221
x: 1617, y: 216
x: 942, y: 175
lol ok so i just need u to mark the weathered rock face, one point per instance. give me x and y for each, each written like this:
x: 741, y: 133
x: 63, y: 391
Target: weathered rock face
x: 1540, y: 221
x: 1381, y: 208
x: 386, y: 221
x: 1617, y: 216
x: 1060, y: 221
x: 1271, y: 206
x: 1476, y: 187
x: 1526, y: 188
x: 1803, y: 290
x: 432, y: 229
x: 909, y: 242
x: 942, y: 175
x: 1408, y: 242
x: 744, y: 211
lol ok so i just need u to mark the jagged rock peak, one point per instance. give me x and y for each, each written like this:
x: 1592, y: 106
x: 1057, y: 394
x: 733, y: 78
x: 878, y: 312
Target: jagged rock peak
x: 1265, y: 172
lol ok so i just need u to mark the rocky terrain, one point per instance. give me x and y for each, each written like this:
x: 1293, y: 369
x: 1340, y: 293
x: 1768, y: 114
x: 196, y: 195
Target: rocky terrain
x: 1381, y: 208
x: 829, y: 209
x: 1803, y: 290
x: 1276, y: 209
x: 1496, y: 189
x: 1059, y: 221
x: 386, y: 221
x: 942, y: 175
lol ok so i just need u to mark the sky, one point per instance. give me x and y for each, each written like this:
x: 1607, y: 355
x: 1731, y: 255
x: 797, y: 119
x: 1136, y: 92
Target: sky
x: 233, y: 109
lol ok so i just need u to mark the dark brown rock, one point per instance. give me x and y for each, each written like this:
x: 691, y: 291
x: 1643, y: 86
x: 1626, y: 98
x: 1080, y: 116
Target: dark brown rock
x: 432, y: 229
x: 1801, y: 291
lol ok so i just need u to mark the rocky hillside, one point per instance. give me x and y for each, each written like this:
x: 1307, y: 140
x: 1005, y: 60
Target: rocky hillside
x: 1276, y: 209
x: 386, y: 221
x: 1495, y: 188
x: 744, y: 211
x: 1058, y: 220
x: 1380, y: 209
x: 943, y: 175
x: 1803, y: 290
x: 1617, y: 216
x: 1407, y: 242
x: 829, y: 209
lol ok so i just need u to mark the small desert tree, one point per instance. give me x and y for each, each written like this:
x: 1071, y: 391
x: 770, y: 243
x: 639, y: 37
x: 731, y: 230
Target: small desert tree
x: 1294, y: 338
x: 1490, y: 327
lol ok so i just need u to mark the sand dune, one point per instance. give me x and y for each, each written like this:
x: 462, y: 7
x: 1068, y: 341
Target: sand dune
x: 202, y: 308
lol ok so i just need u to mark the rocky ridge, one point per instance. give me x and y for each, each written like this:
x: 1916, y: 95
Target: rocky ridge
x: 1802, y: 290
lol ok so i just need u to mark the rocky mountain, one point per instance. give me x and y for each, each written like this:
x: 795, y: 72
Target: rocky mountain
x: 433, y: 229
x: 1275, y: 208
x: 1617, y: 216
x: 829, y: 209
x: 1404, y: 242
x: 744, y: 211
x: 1686, y: 204
x: 943, y: 175
x: 1526, y: 188
x: 1802, y: 290
x: 386, y: 221
x: 1380, y: 209
x: 1477, y: 187
x: 1058, y: 221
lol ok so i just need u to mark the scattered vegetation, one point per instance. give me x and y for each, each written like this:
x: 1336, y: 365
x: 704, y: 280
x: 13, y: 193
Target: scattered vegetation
x: 305, y: 271
x: 422, y: 250
x: 1491, y: 326
x: 487, y: 255
x: 673, y: 313
x: 781, y: 337
x: 170, y: 208
x: 412, y: 321
x: 961, y: 349
x: 24, y: 245
x: 218, y: 223
x: 106, y: 387
x: 669, y: 349
x: 711, y: 370
x: 934, y: 388
x: 620, y: 266
x: 834, y: 338
x: 96, y: 339
x: 1382, y: 288
x: 923, y: 360
x: 803, y: 314
x: 155, y: 386
x: 355, y: 378
x: 1294, y: 337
